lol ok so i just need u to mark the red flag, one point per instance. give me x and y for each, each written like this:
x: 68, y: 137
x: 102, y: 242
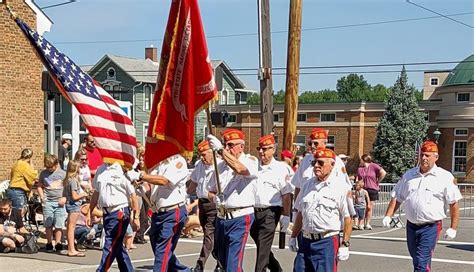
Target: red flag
x: 185, y: 85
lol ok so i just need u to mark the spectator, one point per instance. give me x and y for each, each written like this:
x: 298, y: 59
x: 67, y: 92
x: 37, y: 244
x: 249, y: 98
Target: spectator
x: 84, y: 171
x: 361, y: 204
x: 63, y: 152
x: 73, y: 194
x: 84, y: 234
x: 23, y: 176
x: 11, y: 226
x: 371, y: 174
x: 93, y: 155
x: 50, y: 190
x: 286, y: 156
x: 144, y: 207
x: 192, y: 222
x: 343, y: 157
x: 296, y: 163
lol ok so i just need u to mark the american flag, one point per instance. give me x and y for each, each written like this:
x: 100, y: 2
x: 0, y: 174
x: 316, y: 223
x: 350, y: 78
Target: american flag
x: 110, y: 126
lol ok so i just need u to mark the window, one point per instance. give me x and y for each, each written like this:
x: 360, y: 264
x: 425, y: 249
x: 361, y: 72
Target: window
x: 145, y: 132
x: 328, y: 117
x: 331, y: 139
x: 459, y: 156
x: 463, y: 97
x: 460, y: 132
x: 276, y: 118
x: 107, y: 87
x: 224, y: 97
x: 58, y: 132
x: 232, y: 118
x: 301, y: 117
x: 427, y: 116
x: 237, y: 98
x: 111, y: 73
x: 58, y: 104
x: 434, y: 81
x: 117, y: 96
x: 148, y: 97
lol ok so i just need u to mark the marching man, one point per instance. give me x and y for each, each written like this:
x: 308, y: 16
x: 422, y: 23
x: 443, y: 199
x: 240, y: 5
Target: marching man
x: 200, y: 178
x: 272, y: 204
x: 168, y: 197
x: 112, y: 192
x: 321, y: 204
x: 235, y: 203
x: 425, y: 190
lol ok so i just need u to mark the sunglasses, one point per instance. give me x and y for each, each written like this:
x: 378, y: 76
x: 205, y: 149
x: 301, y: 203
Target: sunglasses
x: 231, y: 145
x: 264, y: 149
x: 83, y: 159
x: 311, y: 143
x: 318, y: 162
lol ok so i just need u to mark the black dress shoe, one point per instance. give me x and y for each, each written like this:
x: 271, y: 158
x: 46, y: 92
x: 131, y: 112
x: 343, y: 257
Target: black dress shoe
x: 140, y: 241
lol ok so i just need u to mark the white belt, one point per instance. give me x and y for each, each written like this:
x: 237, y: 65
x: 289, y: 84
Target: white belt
x: 115, y: 208
x: 231, y: 213
x: 319, y: 236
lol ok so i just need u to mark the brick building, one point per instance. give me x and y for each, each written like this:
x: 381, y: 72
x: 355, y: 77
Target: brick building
x: 21, y: 117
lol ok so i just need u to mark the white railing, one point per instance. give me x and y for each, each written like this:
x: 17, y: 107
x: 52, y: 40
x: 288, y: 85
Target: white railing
x: 466, y: 204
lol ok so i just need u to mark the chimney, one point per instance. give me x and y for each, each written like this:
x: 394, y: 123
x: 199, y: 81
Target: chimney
x: 151, y: 53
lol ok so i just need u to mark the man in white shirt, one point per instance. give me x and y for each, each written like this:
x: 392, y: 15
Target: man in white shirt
x: 237, y: 174
x: 168, y: 197
x: 321, y: 204
x: 200, y: 178
x: 272, y: 204
x: 112, y: 192
x: 425, y: 190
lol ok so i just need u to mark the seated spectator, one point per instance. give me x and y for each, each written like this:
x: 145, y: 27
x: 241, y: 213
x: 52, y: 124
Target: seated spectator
x: 84, y: 234
x: 192, y: 222
x: 50, y: 190
x: 23, y: 176
x: 11, y: 226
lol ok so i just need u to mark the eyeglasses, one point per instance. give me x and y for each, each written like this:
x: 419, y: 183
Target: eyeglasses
x: 311, y: 143
x: 318, y: 162
x: 83, y: 159
x: 231, y: 145
x: 264, y: 149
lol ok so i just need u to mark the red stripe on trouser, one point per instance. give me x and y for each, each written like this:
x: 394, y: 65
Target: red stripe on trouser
x: 244, y: 241
x: 108, y: 260
x: 164, y: 267
x: 335, y: 241
x: 439, y: 226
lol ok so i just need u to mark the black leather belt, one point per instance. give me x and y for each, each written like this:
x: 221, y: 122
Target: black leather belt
x: 204, y: 200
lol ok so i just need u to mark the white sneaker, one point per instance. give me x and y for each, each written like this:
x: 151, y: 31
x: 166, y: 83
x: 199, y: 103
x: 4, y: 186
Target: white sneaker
x: 91, y: 234
x: 368, y: 227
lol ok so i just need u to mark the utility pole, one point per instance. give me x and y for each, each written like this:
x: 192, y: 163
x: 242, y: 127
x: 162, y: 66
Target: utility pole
x: 265, y: 67
x: 292, y: 74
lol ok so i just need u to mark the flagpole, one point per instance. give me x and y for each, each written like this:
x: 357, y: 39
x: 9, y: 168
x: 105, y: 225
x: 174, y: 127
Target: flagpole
x: 218, y: 182
x: 12, y: 13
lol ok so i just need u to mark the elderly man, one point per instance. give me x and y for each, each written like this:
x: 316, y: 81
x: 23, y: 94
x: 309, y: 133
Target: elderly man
x: 425, y: 190
x: 235, y: 203
x: 272, y: 204
x: 112, y: 192
x: 321, y: 204
x: 168, y: 197
x: 200, y: 178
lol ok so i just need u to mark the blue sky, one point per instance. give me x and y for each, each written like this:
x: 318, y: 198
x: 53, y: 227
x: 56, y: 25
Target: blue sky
x: 427, y: 40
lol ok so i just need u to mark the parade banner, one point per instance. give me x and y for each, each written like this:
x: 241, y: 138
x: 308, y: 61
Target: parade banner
x: 185, y: 85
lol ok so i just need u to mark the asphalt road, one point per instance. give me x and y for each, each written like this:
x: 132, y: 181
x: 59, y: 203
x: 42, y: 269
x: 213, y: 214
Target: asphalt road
x: 377, y: 250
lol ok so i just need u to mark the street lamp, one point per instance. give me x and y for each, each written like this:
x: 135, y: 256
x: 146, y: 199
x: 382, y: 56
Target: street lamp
x: 436, y: 135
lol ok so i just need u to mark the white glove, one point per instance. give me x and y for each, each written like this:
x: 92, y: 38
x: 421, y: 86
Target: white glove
x: 133, y: 175
x: 293, y: 244
x: 450, y: 234
x: 343, y: 253
x: 386, y: 221
x: 284, y: 223
x: 219, y: 200
x: 214, y: 143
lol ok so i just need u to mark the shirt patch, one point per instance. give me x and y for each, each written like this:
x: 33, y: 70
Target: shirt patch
x: 179, y: 165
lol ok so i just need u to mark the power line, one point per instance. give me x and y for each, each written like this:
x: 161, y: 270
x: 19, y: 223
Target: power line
x: 57, y: 5
x: 275, y: 32
x: 440, y: 14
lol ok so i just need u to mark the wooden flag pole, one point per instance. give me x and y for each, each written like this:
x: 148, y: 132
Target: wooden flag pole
x: 216, y: 171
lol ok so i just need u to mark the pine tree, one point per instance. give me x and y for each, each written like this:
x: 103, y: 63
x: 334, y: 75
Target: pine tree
x: 401, y: 127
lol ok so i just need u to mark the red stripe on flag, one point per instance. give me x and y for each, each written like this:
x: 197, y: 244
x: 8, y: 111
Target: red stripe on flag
x: 112, y: 116
x: 112, y: 154
x: 110, y: 134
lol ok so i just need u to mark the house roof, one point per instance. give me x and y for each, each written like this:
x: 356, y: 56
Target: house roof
x: 462, y: 74
x: 238, y: 84
x: 141, y: 70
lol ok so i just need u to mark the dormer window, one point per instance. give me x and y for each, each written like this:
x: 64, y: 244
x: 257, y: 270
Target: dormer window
x: 111, y: 74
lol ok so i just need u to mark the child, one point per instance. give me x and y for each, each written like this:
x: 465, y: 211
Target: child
x: 73, y: 194
x: 361, y: 204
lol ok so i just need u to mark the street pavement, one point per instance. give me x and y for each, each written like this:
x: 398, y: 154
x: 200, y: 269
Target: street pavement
x: 380, y: 249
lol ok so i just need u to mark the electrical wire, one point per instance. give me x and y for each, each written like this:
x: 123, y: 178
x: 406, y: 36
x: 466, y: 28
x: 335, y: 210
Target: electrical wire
x: 440, y: 14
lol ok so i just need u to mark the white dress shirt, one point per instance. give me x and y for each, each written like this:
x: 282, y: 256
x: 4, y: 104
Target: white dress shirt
x: 175, y: 170
x: 239, y: 191
x: 323, y: 205
x: 425, y: 196
x: 113, y: 187
x: 201, y: 175
x: 271, y: 184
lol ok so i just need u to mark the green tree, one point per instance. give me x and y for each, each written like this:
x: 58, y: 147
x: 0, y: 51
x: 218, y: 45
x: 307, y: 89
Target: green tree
x: 353, y: 88
x: 400, y: 128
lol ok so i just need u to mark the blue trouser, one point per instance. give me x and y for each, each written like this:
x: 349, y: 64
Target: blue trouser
x: 231, y: 236
x: 164, y: 234
x: 115, y: 226
x: 421, y: 241
x: 18, y: 198
x: 317, y: 255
